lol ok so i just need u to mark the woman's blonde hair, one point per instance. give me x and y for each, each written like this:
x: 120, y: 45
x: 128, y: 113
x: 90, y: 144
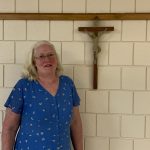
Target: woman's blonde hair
x: 30, y: 71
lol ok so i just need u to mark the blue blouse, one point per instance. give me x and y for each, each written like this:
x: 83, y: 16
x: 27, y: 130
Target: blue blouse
x: 45, y: 119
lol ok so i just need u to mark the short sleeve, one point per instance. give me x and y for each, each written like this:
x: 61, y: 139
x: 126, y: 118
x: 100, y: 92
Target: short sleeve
x: 15, y: 99
x: 76, y: 98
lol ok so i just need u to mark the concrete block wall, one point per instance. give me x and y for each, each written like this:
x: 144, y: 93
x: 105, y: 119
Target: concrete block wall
x: 116, y: 116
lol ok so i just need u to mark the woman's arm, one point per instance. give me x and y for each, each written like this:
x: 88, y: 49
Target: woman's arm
x: 76, y: 130
x: 9, y: 130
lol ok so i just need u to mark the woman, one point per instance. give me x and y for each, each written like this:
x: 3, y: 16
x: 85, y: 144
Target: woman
x: 42, y: 109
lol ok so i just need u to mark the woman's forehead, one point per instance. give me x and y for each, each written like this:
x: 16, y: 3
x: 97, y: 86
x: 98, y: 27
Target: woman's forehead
x: 44, y: 48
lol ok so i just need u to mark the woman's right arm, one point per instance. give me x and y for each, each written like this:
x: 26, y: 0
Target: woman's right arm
x: 9, y: 130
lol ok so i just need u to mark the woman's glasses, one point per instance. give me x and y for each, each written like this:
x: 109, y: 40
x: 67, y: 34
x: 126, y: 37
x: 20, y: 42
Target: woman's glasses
x: 43, y: 57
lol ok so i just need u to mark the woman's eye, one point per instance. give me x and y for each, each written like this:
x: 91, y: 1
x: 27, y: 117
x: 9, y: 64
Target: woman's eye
x: 49, y: 55
x: 41, y: 56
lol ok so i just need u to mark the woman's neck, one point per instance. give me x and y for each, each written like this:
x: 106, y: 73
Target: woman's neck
x: 51, y: 84
x: 48, y: 78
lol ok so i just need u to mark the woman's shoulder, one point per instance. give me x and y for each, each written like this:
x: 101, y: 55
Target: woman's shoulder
x: 66, y: 79
x: 23, y: 81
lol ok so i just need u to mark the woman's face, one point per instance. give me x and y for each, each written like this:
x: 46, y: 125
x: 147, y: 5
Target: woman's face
x: 45, y: 60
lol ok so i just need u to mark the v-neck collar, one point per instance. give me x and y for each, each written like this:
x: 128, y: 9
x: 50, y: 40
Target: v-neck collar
x: 59, y: 83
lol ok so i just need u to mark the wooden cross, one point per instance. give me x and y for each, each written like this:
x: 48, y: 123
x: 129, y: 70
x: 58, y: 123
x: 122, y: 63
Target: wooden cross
x: 93, y: 32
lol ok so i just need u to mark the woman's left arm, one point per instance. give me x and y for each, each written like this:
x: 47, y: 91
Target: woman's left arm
x: 76, y: 130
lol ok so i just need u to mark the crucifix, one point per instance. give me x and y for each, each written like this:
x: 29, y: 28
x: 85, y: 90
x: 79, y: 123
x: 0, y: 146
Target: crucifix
x: 94, y: 33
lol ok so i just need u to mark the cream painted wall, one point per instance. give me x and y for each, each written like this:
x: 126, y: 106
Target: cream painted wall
x: 117, y: 115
